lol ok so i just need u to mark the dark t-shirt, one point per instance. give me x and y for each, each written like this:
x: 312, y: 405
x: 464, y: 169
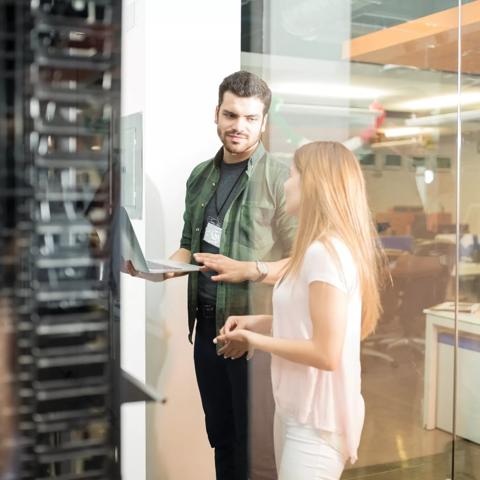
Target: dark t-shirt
x: 227, y: 188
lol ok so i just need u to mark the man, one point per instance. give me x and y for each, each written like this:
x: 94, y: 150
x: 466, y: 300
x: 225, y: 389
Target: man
x: 234, y: 207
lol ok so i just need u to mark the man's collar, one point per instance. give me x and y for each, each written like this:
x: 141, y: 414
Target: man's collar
x: 217, y: 160
x: 257, y: 155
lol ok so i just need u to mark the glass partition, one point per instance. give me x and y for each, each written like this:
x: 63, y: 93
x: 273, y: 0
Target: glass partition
x: 466, y: 382
x: 382, y: 77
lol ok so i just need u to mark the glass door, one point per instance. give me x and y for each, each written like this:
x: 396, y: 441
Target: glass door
x: 384, y: 78
x: 466, y: 381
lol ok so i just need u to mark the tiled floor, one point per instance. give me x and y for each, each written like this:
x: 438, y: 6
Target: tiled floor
x: 395, y: 446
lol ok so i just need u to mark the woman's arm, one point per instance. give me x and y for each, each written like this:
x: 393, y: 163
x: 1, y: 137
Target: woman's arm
x: 328, y: 311
x: 235, y: 271
x: 255, y: 323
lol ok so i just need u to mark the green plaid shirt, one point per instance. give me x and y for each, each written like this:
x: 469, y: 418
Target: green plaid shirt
x: 255, y: 227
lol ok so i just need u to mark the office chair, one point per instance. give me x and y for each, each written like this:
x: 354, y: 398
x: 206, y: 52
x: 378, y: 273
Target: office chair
x: 387, y: 330
x: 420, y: 280
x: 398, y: 242
x: 375, y: 345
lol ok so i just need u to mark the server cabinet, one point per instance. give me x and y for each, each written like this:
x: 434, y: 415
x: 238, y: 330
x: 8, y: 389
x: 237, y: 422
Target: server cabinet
x: 59, y: 296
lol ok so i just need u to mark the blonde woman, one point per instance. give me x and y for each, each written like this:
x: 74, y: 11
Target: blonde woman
x: 326, y: 301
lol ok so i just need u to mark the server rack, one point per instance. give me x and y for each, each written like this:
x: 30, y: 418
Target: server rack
x: 59, y: 296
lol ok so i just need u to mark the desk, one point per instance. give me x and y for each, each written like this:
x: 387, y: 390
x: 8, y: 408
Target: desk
x: 468, y: 269
x: 438, y: 380
x: 409, y: 266
x: 469, y: 276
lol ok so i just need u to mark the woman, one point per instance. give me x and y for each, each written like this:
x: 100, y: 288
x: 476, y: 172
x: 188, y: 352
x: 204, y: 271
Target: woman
x: 326, y: 301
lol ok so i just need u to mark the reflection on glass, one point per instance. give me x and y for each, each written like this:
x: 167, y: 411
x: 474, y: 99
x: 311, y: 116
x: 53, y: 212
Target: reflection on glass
x: 332, y: 79
x: 392, y: 160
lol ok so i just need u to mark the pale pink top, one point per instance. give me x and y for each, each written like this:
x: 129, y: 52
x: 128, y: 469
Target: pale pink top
x: 328, y: 400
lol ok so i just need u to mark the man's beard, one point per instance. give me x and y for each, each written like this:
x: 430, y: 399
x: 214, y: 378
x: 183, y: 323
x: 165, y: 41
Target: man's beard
x: 236, y: 149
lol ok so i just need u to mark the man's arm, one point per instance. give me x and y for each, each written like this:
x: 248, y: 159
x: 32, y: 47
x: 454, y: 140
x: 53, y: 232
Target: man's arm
x: 183, y: 254
x: 236, y: 271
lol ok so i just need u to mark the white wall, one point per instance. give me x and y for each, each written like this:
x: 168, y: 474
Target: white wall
x: 191, y: 47
x: 174, y: 58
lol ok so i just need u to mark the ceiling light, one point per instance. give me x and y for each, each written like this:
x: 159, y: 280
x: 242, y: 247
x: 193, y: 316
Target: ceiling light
x: 443, y: 118
x: 324, y: 90
x: 334, y: 110
x: 393, y: 66
x: 441, y: 101
x: 405, y: 131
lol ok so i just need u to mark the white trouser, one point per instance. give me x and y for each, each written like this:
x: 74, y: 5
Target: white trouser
x: 306, y: 453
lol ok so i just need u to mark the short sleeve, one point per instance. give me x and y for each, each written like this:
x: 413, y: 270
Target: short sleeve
x: 322, y: 266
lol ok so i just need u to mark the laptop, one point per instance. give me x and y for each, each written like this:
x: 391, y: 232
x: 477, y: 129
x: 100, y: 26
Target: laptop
x: 132, y: 251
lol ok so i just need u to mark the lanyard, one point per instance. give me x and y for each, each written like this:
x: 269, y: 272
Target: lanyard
x: 219, y: 209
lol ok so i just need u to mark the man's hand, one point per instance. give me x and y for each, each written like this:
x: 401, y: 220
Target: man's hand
x: 228, y: 270
x: 128, y: 267
x: 181, y: 255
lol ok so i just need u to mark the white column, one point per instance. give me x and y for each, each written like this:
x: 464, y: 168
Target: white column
x: 133, y: 290
x: 188, y: 47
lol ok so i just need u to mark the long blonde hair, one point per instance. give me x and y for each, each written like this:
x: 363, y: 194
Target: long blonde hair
x: 334, y: 204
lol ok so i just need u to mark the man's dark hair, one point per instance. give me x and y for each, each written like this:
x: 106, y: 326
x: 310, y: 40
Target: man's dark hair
x: 246, y: 84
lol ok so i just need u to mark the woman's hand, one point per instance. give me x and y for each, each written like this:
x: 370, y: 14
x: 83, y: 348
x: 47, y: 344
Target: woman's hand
x: 241, y: 322
x: 235, y: 338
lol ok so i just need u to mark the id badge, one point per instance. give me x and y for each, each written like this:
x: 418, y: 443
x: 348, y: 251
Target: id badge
x: 213, y: 232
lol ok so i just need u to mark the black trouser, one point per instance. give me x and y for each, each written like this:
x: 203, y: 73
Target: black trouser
x: 223, y: 385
